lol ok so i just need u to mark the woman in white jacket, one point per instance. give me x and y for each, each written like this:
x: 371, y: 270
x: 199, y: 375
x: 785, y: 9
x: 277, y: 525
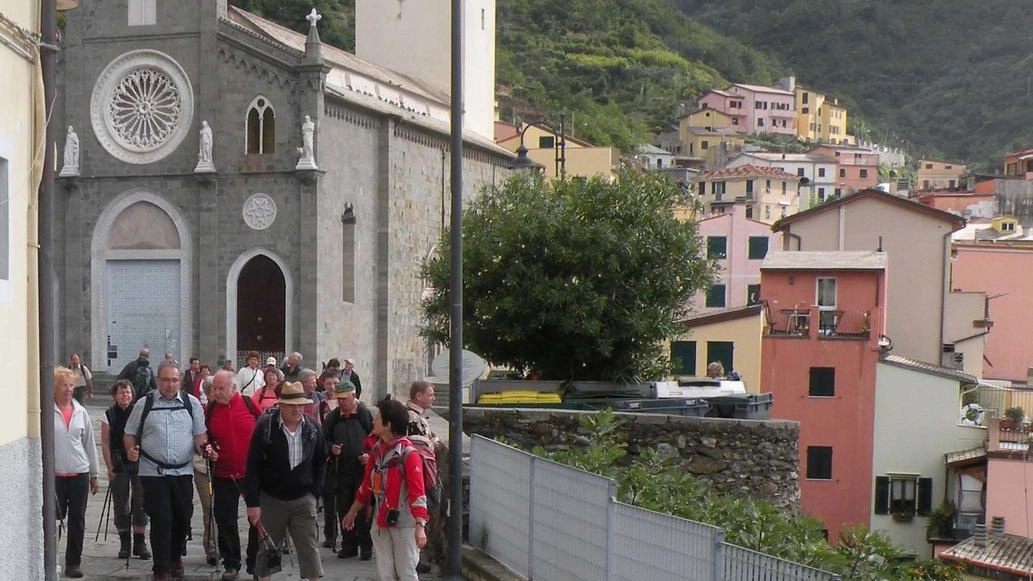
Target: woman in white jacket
x: 75, y: 465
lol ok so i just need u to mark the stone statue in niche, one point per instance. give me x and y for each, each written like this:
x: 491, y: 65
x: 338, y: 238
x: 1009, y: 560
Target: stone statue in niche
x: 71, y: 156
x: 308, y: 158
x: 204, y: 150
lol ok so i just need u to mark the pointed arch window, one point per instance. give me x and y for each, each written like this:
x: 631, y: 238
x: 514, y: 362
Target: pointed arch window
x: 261, y: 127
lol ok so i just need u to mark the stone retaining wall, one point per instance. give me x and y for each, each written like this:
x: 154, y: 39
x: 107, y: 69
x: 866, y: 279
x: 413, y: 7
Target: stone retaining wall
x: 747, y: 457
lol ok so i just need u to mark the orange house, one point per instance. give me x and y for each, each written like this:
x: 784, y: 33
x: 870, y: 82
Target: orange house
x: 819, y: 354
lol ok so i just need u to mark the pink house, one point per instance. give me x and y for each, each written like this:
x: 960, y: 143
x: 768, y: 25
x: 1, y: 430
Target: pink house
x: 754, y: 108
x: 819, y: 355
x: 858, y: 167
x: 739, y: 245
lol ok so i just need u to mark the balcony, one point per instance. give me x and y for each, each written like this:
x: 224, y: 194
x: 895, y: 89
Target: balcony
x: 808, y: 321
x: 1004, y: 435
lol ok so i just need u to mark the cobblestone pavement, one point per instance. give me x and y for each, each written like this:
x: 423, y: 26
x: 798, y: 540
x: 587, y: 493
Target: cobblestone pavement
x: 99, y: 557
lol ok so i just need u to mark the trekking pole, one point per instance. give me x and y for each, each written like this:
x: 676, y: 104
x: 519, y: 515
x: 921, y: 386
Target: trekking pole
x: 103, y: 509
x: 211, y: 507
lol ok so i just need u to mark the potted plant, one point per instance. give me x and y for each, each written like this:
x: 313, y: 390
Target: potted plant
x: 1013, y: 417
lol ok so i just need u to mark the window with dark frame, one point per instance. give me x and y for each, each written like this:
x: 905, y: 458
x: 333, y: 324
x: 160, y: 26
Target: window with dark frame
x: 717, y: 247
x: 683, y: 357
x: 903, y: 495
x: 753, y: 294
x: 819, y: 462
x: 822, y: 382
x: 757, y: 247
x: 546, y: 142
x: 716, y: 296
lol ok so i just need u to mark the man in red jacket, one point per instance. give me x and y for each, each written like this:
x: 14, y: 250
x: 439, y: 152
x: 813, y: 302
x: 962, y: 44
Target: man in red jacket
x: 231, y: 422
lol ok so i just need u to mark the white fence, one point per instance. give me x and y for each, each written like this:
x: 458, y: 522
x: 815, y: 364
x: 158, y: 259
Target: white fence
x: 551, y: 522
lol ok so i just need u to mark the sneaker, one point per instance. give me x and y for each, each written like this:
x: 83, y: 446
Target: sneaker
x: 230, y: 575
x: 347, y: 553
x: 366, y: 554
x: 422, y: 568
x: 73, y: 571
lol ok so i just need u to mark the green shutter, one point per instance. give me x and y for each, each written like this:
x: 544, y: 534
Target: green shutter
x: 925, y: 496
x: 882, y: 495
x: 683, y: 357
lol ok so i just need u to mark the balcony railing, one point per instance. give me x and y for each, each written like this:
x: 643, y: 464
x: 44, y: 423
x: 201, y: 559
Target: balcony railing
x: 817, y: 322
x: 1004, y: 435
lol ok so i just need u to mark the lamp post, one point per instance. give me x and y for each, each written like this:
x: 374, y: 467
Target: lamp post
x: 560, y: 146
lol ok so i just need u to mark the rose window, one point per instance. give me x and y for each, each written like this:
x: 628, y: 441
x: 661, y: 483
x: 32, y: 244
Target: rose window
x: 145, y: 109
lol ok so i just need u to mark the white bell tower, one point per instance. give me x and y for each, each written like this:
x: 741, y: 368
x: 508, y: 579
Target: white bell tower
x: 413, y: 37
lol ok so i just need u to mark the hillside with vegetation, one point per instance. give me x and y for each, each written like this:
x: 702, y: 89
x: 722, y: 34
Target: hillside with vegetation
x: 952, y: 77
x: 619, y: 69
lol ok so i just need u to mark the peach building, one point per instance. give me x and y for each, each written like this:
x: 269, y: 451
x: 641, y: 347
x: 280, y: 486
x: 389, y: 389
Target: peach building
x: 858, y: 167
x: 939, y: 175
x: 768, y: 192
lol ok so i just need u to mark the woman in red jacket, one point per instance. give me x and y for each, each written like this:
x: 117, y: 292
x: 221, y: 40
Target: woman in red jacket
x: 393, y: 482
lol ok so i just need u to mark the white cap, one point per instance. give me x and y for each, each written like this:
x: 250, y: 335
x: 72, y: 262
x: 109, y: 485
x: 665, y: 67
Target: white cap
x: 270, y: 361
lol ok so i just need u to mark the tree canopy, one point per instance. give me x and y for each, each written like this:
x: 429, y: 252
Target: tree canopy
x: 575, y: 279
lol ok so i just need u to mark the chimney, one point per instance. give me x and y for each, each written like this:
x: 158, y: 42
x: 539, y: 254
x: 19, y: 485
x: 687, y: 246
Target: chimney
x: 997, y: 527
x: 979, y: 536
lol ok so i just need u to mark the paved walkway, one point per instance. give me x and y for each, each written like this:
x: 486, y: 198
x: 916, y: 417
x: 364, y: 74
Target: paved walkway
x: 99, y: 557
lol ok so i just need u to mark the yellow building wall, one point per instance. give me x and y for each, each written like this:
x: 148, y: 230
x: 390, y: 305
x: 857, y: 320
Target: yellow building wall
x: 705, y: 118
x: 744, y: 333
x: 581, y: 160
x: 834, y: 124
x: 809, y: 124
x: 18, y: 133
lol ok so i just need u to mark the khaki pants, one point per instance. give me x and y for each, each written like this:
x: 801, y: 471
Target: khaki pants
x: 396, y: 553
x: 299, y: 517
x: 201, y: 483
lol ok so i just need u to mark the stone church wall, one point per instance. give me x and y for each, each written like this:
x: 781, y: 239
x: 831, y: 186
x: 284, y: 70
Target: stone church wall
x: 746, y: 457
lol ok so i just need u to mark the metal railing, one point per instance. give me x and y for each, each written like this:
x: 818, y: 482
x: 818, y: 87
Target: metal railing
x: 550, y: 522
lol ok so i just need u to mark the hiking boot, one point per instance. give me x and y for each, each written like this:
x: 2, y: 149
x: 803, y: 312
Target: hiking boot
x: 73, y: 571
x: 230, y: 575
x: 347, y: 553
x: 329, y: 544
x: 422, y: 568
x: 125, y: 545
x: 140, y: 547
x: 366, y: 553
x: 213, y: 559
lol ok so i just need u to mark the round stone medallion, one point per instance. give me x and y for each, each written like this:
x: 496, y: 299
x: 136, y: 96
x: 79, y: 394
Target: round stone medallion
x: 259, y: 211
x: 142, y: 106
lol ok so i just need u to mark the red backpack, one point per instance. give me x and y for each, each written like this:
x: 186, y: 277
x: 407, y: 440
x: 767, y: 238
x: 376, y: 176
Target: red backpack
x: 423, y: 446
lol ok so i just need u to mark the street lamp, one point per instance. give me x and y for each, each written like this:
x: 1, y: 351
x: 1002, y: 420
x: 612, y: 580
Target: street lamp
x: 523, y: 162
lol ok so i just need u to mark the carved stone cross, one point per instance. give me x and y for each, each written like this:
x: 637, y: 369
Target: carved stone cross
x: 313, y: 17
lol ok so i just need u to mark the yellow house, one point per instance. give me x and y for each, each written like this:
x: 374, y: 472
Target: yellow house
x: 714, y: 146
x: 731, y: 336
x: 704, y: 118
x: 933, y: 174
x: 834, y: 124
x: 769, y: 192
x: 819, y: 118
x: 581, y: 158
x: 22, y: 134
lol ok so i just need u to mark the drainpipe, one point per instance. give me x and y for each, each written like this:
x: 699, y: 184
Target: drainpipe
x: 944, y: 290
x: 48, y: 63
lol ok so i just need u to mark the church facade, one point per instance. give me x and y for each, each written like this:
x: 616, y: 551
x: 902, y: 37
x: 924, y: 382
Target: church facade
x: 239, y: 186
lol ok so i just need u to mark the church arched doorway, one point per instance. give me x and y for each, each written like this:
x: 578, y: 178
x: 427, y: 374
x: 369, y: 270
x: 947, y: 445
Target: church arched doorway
x: 261, y: 308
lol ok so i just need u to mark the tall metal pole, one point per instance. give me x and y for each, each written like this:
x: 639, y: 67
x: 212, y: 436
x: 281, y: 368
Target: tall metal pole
x: 453, y: 564
x: 48, y: 62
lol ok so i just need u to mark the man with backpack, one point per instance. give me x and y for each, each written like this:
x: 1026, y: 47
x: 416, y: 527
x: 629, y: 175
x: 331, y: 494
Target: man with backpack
x: 163, y: 431
x: 139, y: 373
x: 421, y: 399
x: 230, y: 419
x: 286, y: 465
x: 346, y: 429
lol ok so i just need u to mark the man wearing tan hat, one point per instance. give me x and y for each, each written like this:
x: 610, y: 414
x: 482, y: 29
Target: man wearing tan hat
x: 286, y: 467
x: 346, y: 429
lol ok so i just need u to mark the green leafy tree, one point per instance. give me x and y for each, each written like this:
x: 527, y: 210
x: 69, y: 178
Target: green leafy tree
x: 577, y: 279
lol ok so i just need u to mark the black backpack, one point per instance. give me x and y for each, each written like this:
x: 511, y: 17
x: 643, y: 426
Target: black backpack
x: 148, y: 404
x: 142, y: 379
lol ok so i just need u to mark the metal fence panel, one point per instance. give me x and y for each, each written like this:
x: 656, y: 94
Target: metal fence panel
x: 741, y: 564
x: 570, y: 516
x: 500, y: 505
x: 651, y: 545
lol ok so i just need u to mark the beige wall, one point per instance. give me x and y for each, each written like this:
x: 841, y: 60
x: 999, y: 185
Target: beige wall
x: 581, y: 159
x: 745, y: 333
x: 963, y: 308
x: 917, y: 260
x: 17, y: 137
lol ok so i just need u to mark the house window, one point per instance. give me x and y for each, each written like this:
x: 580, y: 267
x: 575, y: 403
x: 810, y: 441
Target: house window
x: 659, y: 162
x: 760, y: 122
x: 717, y: 247
x: 683, y: 357
x: 825, y: 298
x: 819, y: 462
x: 823, y: 382
x: 141, y: 12
x: 749, y: 189
x: 842, y: 173
x: 903, y: 495
x: 1007, y: 226
x: 800, y: 171
x: 718, y: 189
x: 758, y: 246
x: 546, y: 142
x: 721, y: 351
x: 864, y: 173
x: 951, y: 184
x: 716, y: 296
x: 767, y: 212
x: 948, y: 167
x: 928, y: 166
x: 753, y: 294
x: 806, y: 97
x: 704, y: 144
x: 821, y: 172
x: 261, y: 127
